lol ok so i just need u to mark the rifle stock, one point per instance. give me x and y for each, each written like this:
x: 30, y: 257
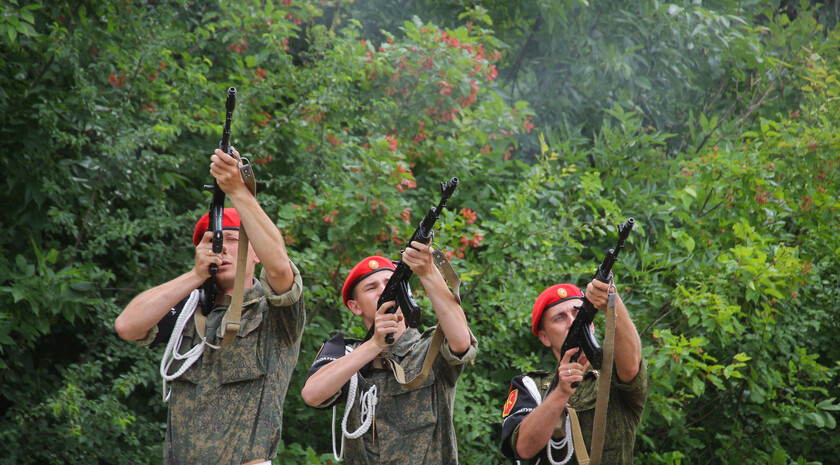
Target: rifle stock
x: 217, y: 208
x: 580, y: 333
x: 398, y: 288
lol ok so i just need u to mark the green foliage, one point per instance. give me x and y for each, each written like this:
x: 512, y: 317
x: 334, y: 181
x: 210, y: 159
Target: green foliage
x: 713, y: 124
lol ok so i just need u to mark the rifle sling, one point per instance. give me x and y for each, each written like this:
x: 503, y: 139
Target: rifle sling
x: 449, y: 274
x: 431, y: 355
x: 232, y: 320
x: 577, y: 437
x: 599, y: 426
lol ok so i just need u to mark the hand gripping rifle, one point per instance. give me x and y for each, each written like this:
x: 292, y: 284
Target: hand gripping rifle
x: 217, y: 207
x: 397, y: 287
x: 580, y: 333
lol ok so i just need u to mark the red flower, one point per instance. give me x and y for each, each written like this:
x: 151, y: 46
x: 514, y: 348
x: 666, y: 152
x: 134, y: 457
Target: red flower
x: 469, y: 215
x: 527, y: 125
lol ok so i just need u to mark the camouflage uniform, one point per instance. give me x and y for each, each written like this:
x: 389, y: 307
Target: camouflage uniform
x: 624, y: 413
x: 410, y: 427
x: 228, y: 407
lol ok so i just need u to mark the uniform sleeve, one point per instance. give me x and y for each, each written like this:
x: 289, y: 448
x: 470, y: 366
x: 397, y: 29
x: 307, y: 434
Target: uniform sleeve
x: 160, y: 333
x: 466, y: 357
x: 635, y: 393
x: 520, y: 402
x: 330, y: 351
x: 289, y: 305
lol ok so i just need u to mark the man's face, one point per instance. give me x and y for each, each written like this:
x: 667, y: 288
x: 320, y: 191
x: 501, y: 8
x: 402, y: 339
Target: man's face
x: 555, y: 323
x: 226, y: 274
x: 366, y: 295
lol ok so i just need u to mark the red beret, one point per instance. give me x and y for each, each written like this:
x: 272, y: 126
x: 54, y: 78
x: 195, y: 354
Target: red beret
x: 362, y: 270
x: 230, y: 220
x: 551, y: 297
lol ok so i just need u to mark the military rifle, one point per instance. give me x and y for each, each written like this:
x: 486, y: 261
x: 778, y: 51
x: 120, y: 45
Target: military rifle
x: 580, y: 333
x: 217, y: 207
x: 397, y: 287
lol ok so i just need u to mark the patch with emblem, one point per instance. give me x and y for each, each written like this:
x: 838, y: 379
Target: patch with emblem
x: 562, y: 293
x: 511, y: 400
x: 373, y: 264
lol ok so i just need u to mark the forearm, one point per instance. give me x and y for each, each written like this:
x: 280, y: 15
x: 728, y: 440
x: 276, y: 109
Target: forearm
x: 329, y: 380
x: 147, y: 309
x: 451, y: 318
x: 266, y: 239
x: 536, y: 429
x: 628, y: 345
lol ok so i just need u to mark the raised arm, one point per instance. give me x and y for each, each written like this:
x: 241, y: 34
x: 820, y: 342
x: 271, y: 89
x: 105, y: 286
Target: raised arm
x: 628, y: 345
x: 262, y: 232
x: 451, y: 318
x: 326, y: 382
x: 147, y: 309
x: 536, y: 428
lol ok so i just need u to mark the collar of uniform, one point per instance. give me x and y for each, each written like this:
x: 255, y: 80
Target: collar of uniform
x: 405, y: 342
x: 251, y: 295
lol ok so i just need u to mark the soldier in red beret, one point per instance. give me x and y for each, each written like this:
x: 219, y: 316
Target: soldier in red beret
x: 536, y: 427
x: 225, y: 405
x: 388, y: 419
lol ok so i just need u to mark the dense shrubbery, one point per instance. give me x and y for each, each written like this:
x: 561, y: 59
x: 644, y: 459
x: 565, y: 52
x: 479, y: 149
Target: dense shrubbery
x: 714, y: 126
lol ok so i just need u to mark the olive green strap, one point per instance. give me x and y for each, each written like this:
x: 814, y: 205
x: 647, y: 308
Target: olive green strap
x: 449, y: 274
x: 577, y: 437
x: 599, y: 426
x: 431, y: 354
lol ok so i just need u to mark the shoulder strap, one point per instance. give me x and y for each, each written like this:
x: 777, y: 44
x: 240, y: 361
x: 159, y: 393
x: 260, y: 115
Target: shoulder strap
x: 449, y: 274
x: 577, y: 437
x: 599, y: 425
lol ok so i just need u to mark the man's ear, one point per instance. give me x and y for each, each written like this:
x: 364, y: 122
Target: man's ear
x: 354, y: 307
x: 543, y: 338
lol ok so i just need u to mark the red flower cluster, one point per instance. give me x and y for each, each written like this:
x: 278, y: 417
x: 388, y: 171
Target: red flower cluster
x: 393, y: 142
x: 527, y: 125
x: 405, y: 183
x: 469, y: 215
x: 115, y: 81
x: 473, y: 242
x: 329, y: 218
x: 240, y: 46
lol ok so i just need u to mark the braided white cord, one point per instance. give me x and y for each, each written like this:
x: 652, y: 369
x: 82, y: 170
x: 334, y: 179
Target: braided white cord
x: 531, y: 386
x: 173, y: 347
x: 566, y: 441
x: 368, y: 401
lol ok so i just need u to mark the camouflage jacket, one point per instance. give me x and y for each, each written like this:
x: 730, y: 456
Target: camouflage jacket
x: 410, y: 427
x: 624, y: 413
x: 227, y: 409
